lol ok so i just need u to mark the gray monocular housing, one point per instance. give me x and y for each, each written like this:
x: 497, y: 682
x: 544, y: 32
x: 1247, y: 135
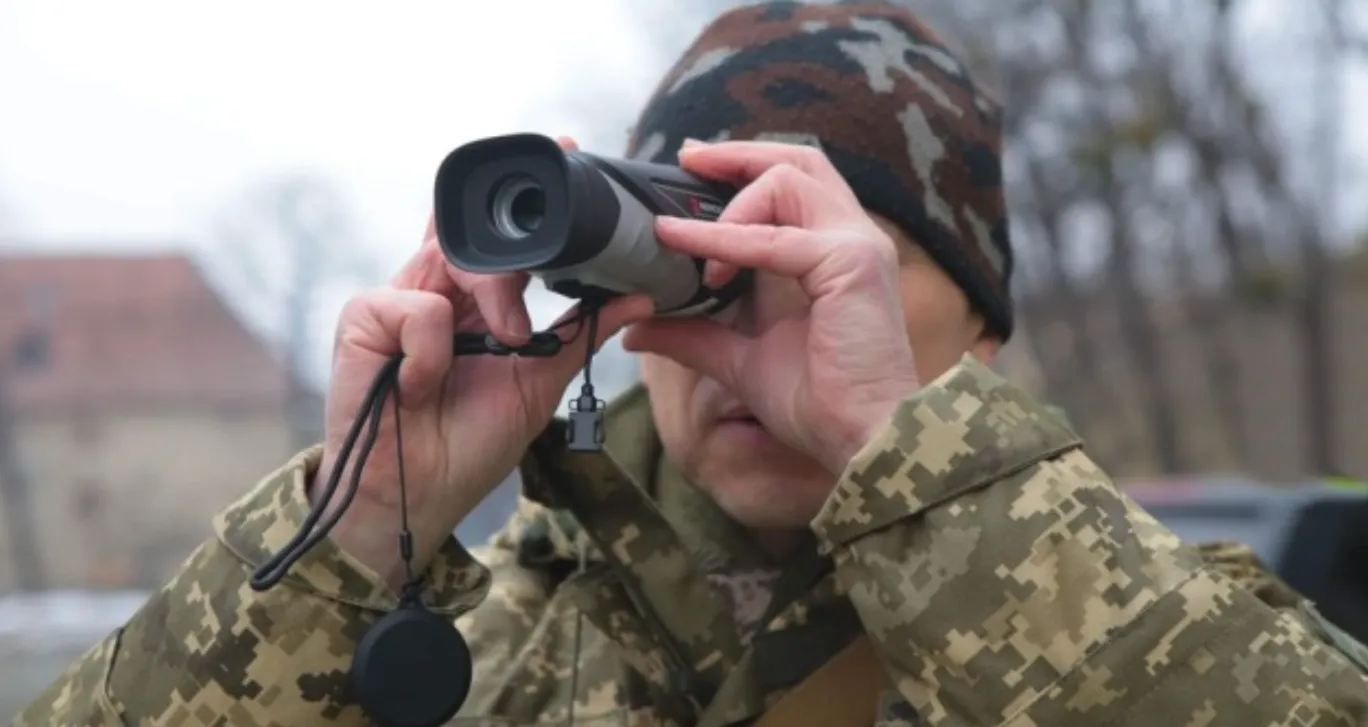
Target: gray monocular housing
x: 584, y: 224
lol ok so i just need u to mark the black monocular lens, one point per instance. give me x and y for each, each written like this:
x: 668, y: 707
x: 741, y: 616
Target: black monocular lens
x: 518, y: 207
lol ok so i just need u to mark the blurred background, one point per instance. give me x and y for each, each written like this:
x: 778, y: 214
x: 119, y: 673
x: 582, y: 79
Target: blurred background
x: 189, y: 193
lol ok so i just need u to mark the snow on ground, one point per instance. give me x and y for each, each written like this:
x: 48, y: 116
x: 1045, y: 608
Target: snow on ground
x: 41, y: 633
x: 62, y: 620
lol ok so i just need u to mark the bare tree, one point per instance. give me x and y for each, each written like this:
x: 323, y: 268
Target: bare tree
x: 1315, y: 303
x: 289, y: 239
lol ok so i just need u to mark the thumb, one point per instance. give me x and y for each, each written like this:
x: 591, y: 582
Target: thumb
x: 707, y: 347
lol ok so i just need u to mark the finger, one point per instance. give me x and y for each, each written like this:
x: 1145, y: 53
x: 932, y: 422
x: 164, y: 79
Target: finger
x: 612, y: 319
x: 768, y: 226
x: 709, y: 348
x: 418, y: 324
x: 426, y: 269
x: 717, y: 274
x: 742, y: 162
x: 790, y: 252
x: 499, y: 298
x: 567, y: 143
x: 786, y: 195
x: 620, y: 313
x: 566, y: 317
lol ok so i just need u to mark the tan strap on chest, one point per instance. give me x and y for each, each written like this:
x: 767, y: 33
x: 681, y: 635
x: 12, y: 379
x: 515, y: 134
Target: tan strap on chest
x: 844, y: 692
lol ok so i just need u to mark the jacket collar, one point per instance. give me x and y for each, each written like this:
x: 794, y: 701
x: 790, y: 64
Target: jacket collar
x: 544, y: 530
x: 606, y: 506
x: 641, y: 530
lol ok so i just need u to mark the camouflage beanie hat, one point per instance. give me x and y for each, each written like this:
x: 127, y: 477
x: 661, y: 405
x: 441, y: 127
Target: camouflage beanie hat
x: 892, y: 108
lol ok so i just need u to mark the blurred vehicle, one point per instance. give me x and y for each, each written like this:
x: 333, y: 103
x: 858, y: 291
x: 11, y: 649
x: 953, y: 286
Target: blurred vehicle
x: 1313, y: 535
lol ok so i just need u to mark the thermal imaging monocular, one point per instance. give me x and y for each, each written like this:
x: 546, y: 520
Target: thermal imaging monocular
x: 582, y: 223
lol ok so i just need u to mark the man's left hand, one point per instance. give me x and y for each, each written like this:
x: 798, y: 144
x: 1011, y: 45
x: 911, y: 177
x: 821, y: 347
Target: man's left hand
x: 823, y: 382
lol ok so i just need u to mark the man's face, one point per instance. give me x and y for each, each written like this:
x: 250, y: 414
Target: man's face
x: 760, y: 482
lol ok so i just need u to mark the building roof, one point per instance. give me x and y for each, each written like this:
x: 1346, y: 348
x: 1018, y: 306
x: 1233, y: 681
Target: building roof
x: 92, y: 331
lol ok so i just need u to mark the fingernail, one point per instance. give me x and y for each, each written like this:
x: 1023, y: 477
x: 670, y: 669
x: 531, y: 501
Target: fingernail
x: 712, y: 276
x: 516, y: 326
x: 691, y: 143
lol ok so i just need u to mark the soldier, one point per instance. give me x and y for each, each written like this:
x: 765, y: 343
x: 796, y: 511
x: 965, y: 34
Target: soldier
x: 828, y: 474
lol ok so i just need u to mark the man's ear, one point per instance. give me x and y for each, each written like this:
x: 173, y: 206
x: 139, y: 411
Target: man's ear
x: 986, y: 348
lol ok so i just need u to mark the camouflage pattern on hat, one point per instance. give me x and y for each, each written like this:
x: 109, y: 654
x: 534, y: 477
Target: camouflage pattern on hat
x: 898, y: 114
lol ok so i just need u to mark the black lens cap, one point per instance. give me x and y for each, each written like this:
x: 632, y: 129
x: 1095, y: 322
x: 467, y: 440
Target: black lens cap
x: 411, y: 669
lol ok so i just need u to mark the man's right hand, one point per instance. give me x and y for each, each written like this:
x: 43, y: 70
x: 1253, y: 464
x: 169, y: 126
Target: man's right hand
x: 465, y: 421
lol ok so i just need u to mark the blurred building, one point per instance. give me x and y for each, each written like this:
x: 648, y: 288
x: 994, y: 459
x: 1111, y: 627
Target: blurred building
x: 135, y: 405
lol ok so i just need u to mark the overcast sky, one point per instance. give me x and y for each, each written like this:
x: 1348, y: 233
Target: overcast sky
x: 129, y: 124
x: 131, y: 119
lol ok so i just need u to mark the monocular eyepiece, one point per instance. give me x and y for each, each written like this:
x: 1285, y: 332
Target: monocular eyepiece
x: 518, y: 207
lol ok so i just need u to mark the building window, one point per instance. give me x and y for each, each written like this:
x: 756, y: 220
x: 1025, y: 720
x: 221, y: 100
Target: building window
x: 33, y: 349
x: 88, y: 500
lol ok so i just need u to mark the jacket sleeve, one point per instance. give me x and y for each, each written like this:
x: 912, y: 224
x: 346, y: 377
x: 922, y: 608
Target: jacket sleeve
x: 207, y: 649
x: 1005, y: 581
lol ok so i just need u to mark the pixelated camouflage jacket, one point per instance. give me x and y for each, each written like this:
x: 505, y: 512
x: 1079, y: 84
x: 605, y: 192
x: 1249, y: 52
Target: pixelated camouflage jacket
x: 1000, y: 575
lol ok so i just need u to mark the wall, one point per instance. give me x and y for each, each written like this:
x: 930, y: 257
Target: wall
x: 122, y: 499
